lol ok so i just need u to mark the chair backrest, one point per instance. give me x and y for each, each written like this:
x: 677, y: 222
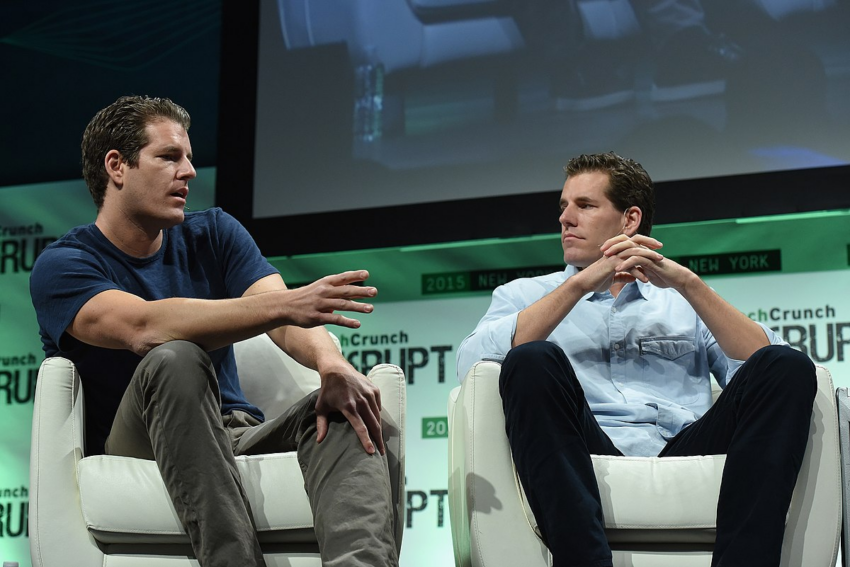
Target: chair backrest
x: 270, y: 379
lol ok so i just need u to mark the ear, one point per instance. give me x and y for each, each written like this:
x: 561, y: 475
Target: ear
x: 632, y: 217
x: 115, y: 166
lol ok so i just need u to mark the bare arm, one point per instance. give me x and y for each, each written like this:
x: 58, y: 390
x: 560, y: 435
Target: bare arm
x: 119, y: 320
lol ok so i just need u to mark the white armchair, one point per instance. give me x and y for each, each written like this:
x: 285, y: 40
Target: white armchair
x: 659, y: 512
x: 114, y: 511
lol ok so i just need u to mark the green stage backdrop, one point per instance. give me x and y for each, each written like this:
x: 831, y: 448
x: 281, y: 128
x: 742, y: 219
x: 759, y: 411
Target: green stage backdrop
x: 790, y: 272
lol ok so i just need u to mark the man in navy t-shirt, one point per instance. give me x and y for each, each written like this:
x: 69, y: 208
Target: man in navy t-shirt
x: 147, y: 302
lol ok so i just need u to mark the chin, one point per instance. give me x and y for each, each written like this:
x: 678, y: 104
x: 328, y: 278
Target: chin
x: 573, y: 259
x: 177, y: 217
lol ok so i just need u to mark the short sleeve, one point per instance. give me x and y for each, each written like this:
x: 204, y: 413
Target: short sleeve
x: 242, y: 262
x: 63, y: 279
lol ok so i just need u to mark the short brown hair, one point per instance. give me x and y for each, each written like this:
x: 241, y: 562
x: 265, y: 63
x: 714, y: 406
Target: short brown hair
x: 121, y: 126
x: 629, y: 183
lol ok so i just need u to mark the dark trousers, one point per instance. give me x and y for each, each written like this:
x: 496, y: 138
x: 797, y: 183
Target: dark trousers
x: 760, y: 421
x: 171, y: 413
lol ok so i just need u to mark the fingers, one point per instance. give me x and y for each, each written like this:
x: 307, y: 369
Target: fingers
x: 622, y: 242
x: 321, y: 427
x: 634, y: 265
x: 360, y: 429
x: 349, y: 277
x: 328, y: 295
x: 359, y: 401
x: 623, y: 278
x: 367, y: 427
x: 342, y: 284
x: 647, y: 241
x: 629, y: 250
x: 375, y: 430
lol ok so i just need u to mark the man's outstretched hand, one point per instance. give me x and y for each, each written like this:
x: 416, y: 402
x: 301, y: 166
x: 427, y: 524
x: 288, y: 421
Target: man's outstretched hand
x: 317, y: 304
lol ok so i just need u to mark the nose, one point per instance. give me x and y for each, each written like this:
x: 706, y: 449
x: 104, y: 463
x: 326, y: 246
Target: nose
x: 566, y: 218
x: 187, y: 170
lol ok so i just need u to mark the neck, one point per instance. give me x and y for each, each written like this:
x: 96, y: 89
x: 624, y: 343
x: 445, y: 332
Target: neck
x: 616, y: 288
x: 128, y: 235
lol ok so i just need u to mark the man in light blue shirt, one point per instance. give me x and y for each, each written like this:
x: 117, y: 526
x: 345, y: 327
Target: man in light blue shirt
x: 613, y: 356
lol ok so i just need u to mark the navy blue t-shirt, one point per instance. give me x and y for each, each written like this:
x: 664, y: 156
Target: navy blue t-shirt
x: 208, y: 256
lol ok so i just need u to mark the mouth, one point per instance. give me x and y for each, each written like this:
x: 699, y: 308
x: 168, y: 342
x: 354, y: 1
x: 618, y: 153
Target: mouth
x: 181, y: 193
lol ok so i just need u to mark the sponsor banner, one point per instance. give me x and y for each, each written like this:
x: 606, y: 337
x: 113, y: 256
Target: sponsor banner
x: 809, y: 310
x: 735, y: 263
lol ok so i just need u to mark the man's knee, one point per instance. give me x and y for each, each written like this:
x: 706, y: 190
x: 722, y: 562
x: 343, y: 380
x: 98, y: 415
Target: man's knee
x: 173, y: 352
x: 178, y: 365
x: 536, y: 369
x: 532, y: 356
x: 787, y: 369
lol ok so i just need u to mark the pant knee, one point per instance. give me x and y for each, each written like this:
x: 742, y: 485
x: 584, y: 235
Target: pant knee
x: 172, y: 352
x: 536, y: 371
x: 787, y: 370
x: 179, y: 367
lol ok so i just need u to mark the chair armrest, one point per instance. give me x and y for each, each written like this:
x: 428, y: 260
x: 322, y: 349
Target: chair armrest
x: 477, y: 442
x: 270, y: 378
x: 812, y: 532
x: 390, y: 379
x: 57, y: 445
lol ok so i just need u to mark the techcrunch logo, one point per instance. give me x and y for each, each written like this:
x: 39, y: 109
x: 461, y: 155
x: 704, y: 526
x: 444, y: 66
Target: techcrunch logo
x: 779, y: 314
x: 409, y: 358
x: 18, y: 374
x: 814, y: 331
x: 358, y: 339
x: 21, y: 230
x: 18, y: 254
x: 418, y: 501
x: 14, y: 512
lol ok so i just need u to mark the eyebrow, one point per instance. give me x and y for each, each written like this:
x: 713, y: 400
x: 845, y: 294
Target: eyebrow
x: 579, y: 200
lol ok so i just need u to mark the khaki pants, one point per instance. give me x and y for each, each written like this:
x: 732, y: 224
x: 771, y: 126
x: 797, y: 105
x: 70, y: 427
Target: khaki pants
x: 170, y: 413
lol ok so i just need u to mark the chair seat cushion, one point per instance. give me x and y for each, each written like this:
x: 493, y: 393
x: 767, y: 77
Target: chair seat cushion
x: 657, y: 500
x: 659, y: 493
x: 274, y: 484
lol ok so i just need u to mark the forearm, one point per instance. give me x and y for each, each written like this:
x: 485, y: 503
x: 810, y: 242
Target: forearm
x: 537, y: 321
x: 143, y: 325
x: 737, y: 334
x: 313, y: 348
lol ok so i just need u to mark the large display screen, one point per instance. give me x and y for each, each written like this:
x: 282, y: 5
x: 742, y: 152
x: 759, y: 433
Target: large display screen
x: 368, y: 112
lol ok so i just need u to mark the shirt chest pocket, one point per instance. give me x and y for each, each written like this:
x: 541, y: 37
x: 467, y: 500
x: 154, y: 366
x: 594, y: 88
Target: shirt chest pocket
x: 669, y: 348
x: 668, y: 368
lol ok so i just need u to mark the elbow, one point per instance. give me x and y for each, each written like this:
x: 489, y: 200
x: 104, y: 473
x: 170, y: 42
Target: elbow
x: 143, y: 339
x: 142, y: 347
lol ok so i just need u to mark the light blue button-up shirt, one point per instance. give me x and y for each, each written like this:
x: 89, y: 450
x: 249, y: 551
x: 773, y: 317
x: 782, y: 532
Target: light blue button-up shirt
x: 643, y: 358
